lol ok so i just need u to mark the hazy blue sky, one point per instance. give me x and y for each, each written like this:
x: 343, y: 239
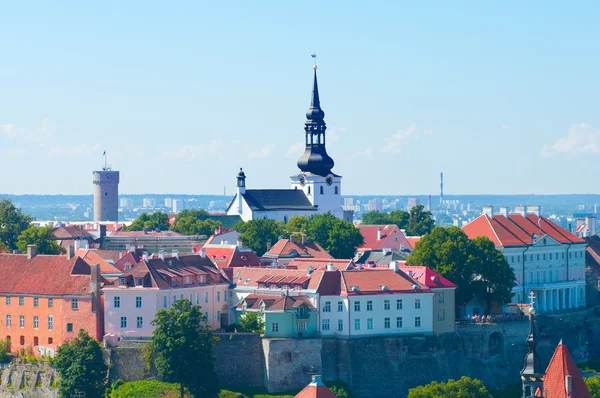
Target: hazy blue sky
x: 501, y: 96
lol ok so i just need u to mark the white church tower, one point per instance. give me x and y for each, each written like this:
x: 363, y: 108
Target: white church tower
x: 320, y: 185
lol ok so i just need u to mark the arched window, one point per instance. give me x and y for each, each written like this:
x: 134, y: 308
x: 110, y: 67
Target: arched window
x: 321, y: 190
x: 335, y: 190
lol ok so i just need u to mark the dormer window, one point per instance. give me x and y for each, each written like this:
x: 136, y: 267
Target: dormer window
x: 139, y: 281
x: 122, y: 281
x: 127, y: 266
x: 173, y: 282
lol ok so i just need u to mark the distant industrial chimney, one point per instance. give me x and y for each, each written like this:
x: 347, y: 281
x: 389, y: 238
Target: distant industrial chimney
x: 441, y: 188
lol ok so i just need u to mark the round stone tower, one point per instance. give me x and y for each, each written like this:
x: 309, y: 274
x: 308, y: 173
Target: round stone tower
x: 106, y: 195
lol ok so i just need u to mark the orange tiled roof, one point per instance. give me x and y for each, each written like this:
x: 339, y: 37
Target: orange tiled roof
x: 319, y: 263
x: 369, y: 233
x: 288, y: 248
x: 91, y: 257
x: 427, y: 276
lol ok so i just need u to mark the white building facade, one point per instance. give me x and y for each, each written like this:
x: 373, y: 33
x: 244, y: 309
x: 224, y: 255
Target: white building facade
x: 545, y: 258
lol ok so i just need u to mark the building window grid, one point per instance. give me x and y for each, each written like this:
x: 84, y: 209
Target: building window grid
x: 386, y: 323
x: 140, y: 322
x: 386, y: 305
x: 21, y: 321
x: 36, y: 301
x: 75, y: 304
x: 325, y: 324
x: 340, y: 306
x: 399, y: 304
x: 7, y: 300
x: 327, y: 306
x: 369, y: 306
x: 50, y: 302
x: 418, y: 322
x: 123, y: 322
x: 138, y: 302
x: 417, y: 304
x: 36, y: 322
x: 21, y: 301
x: 275, y: 327
x: 117, y: 302
x: 357, y: 306
x: 369, y: 323
x: 8, y: 321
x: 357, y: 324
x: 399, y: 322
x: 50, y: 322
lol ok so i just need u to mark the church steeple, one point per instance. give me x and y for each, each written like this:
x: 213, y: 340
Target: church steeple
x: 315, y: 159
x: 532, y: 374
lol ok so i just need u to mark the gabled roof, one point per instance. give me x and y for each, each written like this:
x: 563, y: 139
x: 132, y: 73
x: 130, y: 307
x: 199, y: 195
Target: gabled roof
x: 562, y: 365
x: 412, y: 241
x: 320, y: 263
x: 171, y: 272
x: 368, y: 282
x: 91, y: 257
x: 517, y: 230
x: 286, y: 248
x: 140, y: 234
x: 71, y: 232
x: 226, y: 256
x: 277, y: 199
x: 427, y: 276
x: 316, y: 389
x: 370, y: 232
x: 131, y: 258
x: 274, y: 303
x: 44, y: 274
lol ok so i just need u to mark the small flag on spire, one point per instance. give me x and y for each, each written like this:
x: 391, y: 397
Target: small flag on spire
x: 104, y: 154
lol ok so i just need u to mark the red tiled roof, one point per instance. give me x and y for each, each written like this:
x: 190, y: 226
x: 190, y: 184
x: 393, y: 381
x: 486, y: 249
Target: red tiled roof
x: 287, y: 248
x: 316, y: 389
x: 427, y: 276
x: 560, y: 366
x: 373, y: 280
x: 53, y: 275
x: 226, y: 256
x: 91, y: 257
x: 71, y: 232
x: 250, y: 276
x: 319, y: 263
x: 592, y: 254
x: 369, y: 233
x: 516, y: 230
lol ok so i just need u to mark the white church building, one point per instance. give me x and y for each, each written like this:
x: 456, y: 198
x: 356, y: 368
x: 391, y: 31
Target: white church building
x: 314, y: 190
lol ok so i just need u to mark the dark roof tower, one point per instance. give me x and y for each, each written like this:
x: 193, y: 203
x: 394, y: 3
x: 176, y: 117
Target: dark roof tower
x: 315, y: 159
x: 532, y: 374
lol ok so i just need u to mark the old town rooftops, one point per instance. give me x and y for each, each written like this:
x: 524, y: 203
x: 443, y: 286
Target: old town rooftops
x: 368, y: 282
x: 173, y: 272
x: 266, y: 277
x: 517, y: 229
x: 562, y: 379
x: 293, y: 248
x: 44, y: 275
x: 426, y: 276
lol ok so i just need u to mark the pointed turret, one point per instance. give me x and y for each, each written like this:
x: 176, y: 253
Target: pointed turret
x: 532, y: 374
x: 315, y: 159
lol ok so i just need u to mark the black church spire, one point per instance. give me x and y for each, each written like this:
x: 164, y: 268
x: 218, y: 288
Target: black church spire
x: 315, y: 159
x: 532, y: 374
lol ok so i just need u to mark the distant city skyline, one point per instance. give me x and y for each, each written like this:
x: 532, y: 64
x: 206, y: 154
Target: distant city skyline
x: 501, y: 98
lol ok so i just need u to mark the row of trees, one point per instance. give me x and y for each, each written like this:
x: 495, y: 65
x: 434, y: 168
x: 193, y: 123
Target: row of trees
x: 16, y: 232
x: 187, y: 222
x: 416, y: 222
x: 340, y: 238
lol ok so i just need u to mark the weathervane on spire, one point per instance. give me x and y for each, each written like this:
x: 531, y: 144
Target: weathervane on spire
x: 314, y: 57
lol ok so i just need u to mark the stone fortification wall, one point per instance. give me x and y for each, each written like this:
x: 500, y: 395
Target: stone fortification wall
x: 290, y: 363
x: 28, y: 381
x: 238, y: 361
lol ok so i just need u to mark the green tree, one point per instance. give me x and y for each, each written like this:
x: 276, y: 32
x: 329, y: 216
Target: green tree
x: 593, y: 384
x: 296, y: 224
x: 4, y: 351
x: 42, y: 237
x: 251, y: 322
x: 81, y: 367
x: 338, y: 237
x: 4, y: 248
x: 12, y: 223
x: 420, y: 221
x: 475, y: 266
x: 256, y: 234
x: 182, y: 344
x: 463, y: 388
x: 194, y: 222
x: 150, y: 222
x: 375, y: 217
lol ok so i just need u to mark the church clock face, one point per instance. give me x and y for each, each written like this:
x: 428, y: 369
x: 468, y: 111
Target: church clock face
x: 329, y: 180
x: 302, y: 180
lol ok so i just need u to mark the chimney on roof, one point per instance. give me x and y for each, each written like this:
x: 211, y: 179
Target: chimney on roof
x: 70, y: 252
x: 569, y: 385
x: 239, y: 243
x: 504, y: 211
x: 161, y: 255
x: 31, y: 251
x: 379, y: 234
x: 488, y: 211
x: 521, y: 210
x: 95, y: 286
x: 303, y: 239
x: 202, y: 253
x: 102, y: 231
x: 537, y: 210
x: 394, y: 266
x: 292, y: 238
x: 268, y: 246
x: 310, y: 270
x: 145, y: 255
x: 175, y: 253
x: 329, y: 267
x: 359, y: 266
x: 316, y: 380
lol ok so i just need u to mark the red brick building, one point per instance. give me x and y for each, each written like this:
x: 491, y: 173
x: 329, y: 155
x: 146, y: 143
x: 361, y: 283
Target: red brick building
x: 45, y: 300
